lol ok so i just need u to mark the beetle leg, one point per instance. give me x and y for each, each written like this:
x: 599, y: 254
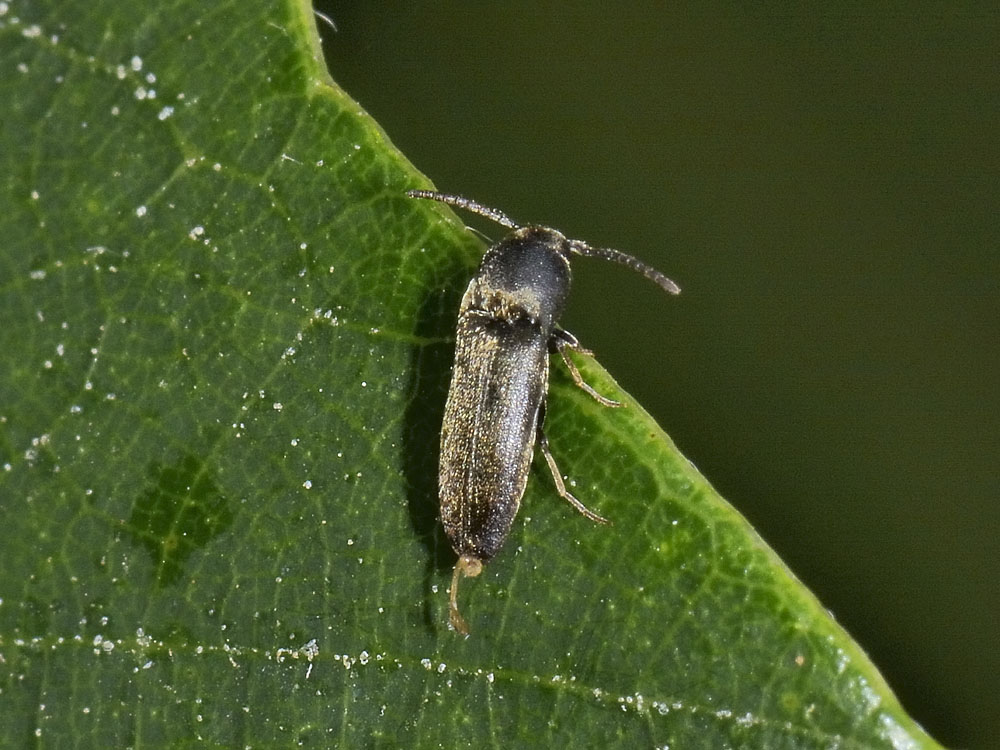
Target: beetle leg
x: 468, y: 567
x: 543, y: 443
x: 564, y: 340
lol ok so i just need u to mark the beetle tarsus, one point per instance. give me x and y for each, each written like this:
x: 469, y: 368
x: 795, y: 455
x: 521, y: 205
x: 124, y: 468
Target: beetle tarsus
x: 467, y: 567
x: 543, y: 443
x: 565, y: 340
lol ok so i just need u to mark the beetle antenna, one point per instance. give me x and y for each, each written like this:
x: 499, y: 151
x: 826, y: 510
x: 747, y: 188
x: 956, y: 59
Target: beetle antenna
x: 459, y: 202
x: 617, y: 256
x: 325, y: 19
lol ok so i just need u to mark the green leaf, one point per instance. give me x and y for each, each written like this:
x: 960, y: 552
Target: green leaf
x: 227, y: 340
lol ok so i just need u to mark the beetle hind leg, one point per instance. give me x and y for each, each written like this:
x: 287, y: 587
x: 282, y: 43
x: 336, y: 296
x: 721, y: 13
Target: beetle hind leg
x: 466, y: 567
x: 563, y: 341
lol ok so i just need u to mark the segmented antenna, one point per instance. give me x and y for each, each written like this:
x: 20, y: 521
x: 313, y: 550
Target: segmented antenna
x: 458, y: 201
x: 617, y: 256
x: 576, y: 246
x: 325, y: 19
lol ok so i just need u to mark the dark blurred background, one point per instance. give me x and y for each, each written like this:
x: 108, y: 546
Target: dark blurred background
x: 825, y: 187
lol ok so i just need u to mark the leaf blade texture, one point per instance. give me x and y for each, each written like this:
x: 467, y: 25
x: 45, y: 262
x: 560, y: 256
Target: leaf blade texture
x: 227, y: 337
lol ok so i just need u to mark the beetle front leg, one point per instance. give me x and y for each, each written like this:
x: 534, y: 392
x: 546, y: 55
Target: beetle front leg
x: 543, y: 443
x: 564, y: 340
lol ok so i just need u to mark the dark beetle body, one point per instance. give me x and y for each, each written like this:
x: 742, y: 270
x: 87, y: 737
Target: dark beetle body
x: 496, y: 402
x: 498, y: 386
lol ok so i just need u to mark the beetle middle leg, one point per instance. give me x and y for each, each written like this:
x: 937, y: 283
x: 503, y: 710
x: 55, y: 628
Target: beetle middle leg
x: 543, y: 443
x: 563, y: 341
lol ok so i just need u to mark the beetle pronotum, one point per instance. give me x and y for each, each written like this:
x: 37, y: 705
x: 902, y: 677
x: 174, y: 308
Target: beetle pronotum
x: 507, y: 326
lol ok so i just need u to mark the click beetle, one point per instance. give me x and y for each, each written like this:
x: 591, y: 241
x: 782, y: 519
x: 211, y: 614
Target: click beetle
x: 507, y: 327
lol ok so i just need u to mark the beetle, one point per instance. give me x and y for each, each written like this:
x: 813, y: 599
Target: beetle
x: 507, y: 327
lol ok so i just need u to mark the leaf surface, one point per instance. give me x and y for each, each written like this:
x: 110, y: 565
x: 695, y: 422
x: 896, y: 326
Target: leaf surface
x: 227, y: 340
